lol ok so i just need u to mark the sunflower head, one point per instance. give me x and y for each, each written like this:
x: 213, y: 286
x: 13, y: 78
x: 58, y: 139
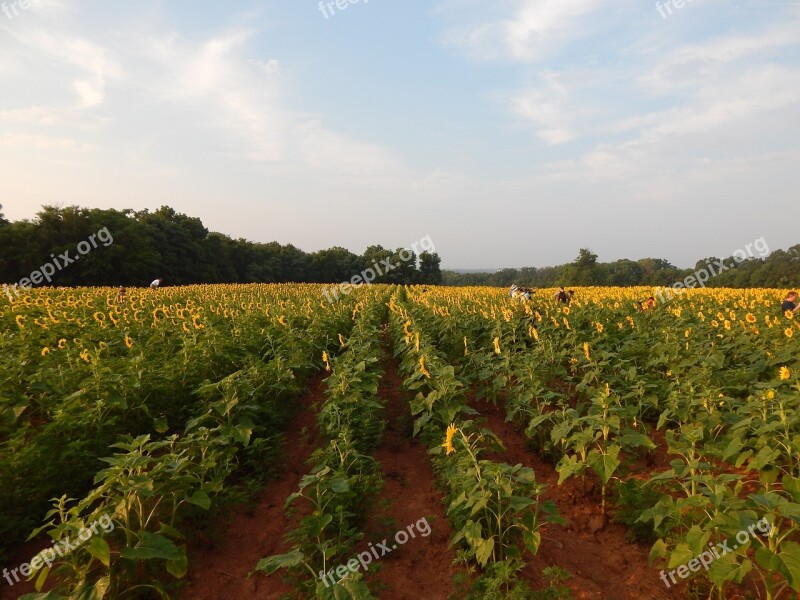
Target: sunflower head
x: 448, y: 440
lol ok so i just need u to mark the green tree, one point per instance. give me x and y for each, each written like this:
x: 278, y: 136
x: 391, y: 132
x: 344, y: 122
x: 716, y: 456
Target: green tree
x: 430, y: 271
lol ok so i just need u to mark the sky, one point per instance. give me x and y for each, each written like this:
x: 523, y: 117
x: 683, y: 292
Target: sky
x: 512, y: 132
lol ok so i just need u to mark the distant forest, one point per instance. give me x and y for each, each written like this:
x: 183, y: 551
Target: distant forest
x: 781, y: 269
x: 179, y: 248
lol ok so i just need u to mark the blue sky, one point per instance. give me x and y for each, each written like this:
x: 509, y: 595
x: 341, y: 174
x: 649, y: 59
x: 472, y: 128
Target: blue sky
x: 512, y: 132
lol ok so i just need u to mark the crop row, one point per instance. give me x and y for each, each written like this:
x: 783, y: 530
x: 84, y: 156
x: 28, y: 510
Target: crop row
x: 160, y: 482
x: 596, y: 383
x: 344, y: 477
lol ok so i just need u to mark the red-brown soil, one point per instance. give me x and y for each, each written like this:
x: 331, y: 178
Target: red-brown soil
x: 602, y: 563
x: 422, y: 568
x: 221, y: 572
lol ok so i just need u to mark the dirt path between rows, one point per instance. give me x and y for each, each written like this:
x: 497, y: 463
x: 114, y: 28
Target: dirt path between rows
x: 221, y: 572
x: 422, y: 567
x: 602, y: 563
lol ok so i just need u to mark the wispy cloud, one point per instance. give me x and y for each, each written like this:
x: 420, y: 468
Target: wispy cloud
x: 525, y: 30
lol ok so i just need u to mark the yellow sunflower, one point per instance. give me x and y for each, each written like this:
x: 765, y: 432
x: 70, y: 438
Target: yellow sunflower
x: 422, y: 368
x: 448, y: 440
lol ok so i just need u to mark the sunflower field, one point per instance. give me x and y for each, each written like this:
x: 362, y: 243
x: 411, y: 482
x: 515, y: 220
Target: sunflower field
x: 678, y: 423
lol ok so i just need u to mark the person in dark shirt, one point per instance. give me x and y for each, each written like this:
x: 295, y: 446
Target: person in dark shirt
x: 562, y: 296
x: 790, y: 303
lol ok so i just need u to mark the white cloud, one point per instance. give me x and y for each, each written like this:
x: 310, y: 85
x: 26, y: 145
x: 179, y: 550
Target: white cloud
x: 528, y: 31
x: 26, y: 141
x: 91, y: 61
x: 690, y: 65
x: 52, y: 117
x: 546, y: 108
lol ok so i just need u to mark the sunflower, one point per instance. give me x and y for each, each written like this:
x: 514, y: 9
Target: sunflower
x: 326, y: 361
x: 62, y: 343
x: 785, y: 373
x: 85, y: 355
x: 45, y: 351
x: 788, y: 332
x: 20, y: 321
x: 448, y: 440
x: 586, y: 351
x: 128, y: 341
x: 497, y: 345
x: 750, y: 318
x: 422, y: 368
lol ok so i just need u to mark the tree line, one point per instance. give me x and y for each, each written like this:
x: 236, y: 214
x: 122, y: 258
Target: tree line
x: 780, y: 269
x: 179, y: 248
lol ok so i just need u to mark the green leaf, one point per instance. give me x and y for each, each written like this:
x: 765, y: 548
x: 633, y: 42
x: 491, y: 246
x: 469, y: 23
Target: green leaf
x: 697, y: 539
x: 532, y: 541
x: 99, y: 549
x: 483, y: 551
x: 178, y: 567
x: 659, y: 550
x: 281, y: 561
x: 604, y: 464
x: 567, y: 467
x: 340, y: 485
x: 201, y: 499
x: 152, y: 545
x: 726, y: 569
x: 768, y: 560
x: 790, y: 557
x: 681, y: 555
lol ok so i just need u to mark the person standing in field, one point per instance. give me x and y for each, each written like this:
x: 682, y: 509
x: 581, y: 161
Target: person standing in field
x: 121, y: 295
x: 156, y: 283
x: 790, y: 303
x: 562, y: 296
x: 649, y: 304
